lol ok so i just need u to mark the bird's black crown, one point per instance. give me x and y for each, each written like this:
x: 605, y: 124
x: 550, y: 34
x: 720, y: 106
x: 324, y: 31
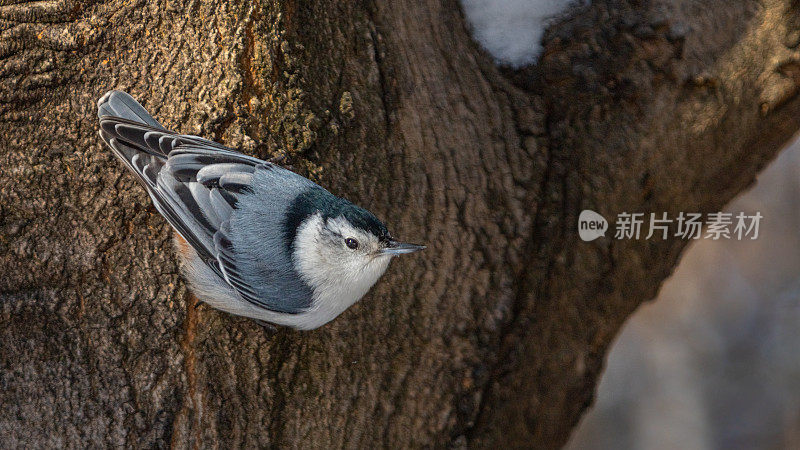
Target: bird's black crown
x: 318, y: 200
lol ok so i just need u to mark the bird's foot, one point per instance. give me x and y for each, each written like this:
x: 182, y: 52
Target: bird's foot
x: 268, y: 327
x: 277, y: 159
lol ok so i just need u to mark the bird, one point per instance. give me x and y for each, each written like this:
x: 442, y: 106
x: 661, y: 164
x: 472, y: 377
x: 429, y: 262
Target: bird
x: 253, y: 239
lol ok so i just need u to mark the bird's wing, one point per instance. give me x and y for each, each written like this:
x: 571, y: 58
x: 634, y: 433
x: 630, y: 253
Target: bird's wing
x: 194, y: 183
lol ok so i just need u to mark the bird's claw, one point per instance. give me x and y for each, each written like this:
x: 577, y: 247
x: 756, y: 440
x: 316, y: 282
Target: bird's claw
x: 268, y: 327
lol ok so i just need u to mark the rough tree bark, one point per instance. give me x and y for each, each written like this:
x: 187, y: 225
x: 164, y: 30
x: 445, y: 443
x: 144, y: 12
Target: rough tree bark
x: 493, y: 336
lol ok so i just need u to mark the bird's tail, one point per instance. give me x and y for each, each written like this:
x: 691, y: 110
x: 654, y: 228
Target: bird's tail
x: 120, y: 104
x: 134, y: 136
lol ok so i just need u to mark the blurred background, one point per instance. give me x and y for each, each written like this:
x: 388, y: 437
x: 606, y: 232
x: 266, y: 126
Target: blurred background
x: 714, y: 361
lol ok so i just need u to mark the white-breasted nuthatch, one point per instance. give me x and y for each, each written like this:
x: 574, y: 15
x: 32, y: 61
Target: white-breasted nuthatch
x: 254, y: 239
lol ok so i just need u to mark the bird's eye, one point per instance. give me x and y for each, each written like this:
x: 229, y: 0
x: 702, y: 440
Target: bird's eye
x: 352, y: 243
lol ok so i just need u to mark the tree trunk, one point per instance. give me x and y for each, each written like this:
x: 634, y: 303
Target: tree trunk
x: 494, y: 336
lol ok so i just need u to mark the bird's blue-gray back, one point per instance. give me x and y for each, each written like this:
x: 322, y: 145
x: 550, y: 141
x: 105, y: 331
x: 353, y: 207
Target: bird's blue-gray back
x: 264, y: 260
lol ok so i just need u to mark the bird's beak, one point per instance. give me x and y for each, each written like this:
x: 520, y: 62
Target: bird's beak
x: 400, y: 248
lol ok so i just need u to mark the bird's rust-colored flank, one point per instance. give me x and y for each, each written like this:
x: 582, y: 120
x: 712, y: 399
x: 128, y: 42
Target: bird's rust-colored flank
x: 183, y: 247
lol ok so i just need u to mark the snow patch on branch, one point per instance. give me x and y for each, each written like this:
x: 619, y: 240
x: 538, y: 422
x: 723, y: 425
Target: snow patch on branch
x: 511, y: 30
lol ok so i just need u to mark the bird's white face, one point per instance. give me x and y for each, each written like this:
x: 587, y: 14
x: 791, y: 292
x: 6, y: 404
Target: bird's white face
x: 339, y: 261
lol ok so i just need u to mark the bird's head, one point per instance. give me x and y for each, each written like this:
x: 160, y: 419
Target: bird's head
x: 343, y: 249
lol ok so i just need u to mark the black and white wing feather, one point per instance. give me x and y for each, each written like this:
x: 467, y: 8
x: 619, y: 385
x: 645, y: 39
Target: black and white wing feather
x: 194, y: 183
